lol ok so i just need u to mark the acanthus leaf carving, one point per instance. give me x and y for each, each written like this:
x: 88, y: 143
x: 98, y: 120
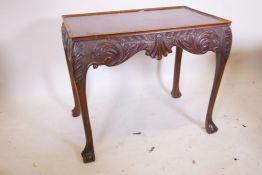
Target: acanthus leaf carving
x: 116, y: 50
x: 198, y: 41
x: 78, y: 59
x: 106, y: 52
x: 227, y: 42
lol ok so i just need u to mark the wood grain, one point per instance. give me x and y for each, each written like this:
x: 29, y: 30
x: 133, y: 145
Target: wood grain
x: 97, y: 25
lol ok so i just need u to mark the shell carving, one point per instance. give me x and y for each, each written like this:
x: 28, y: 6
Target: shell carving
x: 160, y: 48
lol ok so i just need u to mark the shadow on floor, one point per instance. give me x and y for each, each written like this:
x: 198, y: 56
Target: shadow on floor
x: 241, y: 63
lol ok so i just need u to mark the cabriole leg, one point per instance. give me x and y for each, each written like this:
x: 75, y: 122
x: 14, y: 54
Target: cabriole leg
x: 220, y: 66
x: 88, y: 152
x: 175, y: 91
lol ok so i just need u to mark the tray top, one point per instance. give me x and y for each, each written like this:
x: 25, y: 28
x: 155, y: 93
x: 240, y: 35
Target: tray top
x: 103, y: 24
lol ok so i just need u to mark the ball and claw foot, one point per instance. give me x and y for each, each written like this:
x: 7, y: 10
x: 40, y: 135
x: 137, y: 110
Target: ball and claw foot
x: 176, y: 94
x: 88, y: 156
x: 75, y: 112
x: 211, y: 127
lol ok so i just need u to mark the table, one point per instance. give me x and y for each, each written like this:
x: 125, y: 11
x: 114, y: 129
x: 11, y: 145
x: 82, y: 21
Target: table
x: 111, y: 38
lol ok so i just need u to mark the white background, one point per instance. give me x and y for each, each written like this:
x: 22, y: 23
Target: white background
x: 36, y: 97
x: 31, y: 53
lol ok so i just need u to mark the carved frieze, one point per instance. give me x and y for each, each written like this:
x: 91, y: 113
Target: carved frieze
x: 116, y: 50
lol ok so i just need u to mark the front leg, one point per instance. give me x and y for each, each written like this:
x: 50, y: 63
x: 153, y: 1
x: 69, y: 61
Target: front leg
x: 88, y: 152
x: 220, y: 66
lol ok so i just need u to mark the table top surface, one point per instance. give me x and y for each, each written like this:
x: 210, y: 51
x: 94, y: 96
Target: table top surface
x: 104, y: 24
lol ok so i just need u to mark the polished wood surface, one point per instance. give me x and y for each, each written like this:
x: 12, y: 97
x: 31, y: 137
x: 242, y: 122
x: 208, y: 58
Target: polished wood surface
x: 111, y: 38
x: 101, y: 24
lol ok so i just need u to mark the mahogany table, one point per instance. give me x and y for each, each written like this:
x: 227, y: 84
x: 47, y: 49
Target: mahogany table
x: 110, y: 38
